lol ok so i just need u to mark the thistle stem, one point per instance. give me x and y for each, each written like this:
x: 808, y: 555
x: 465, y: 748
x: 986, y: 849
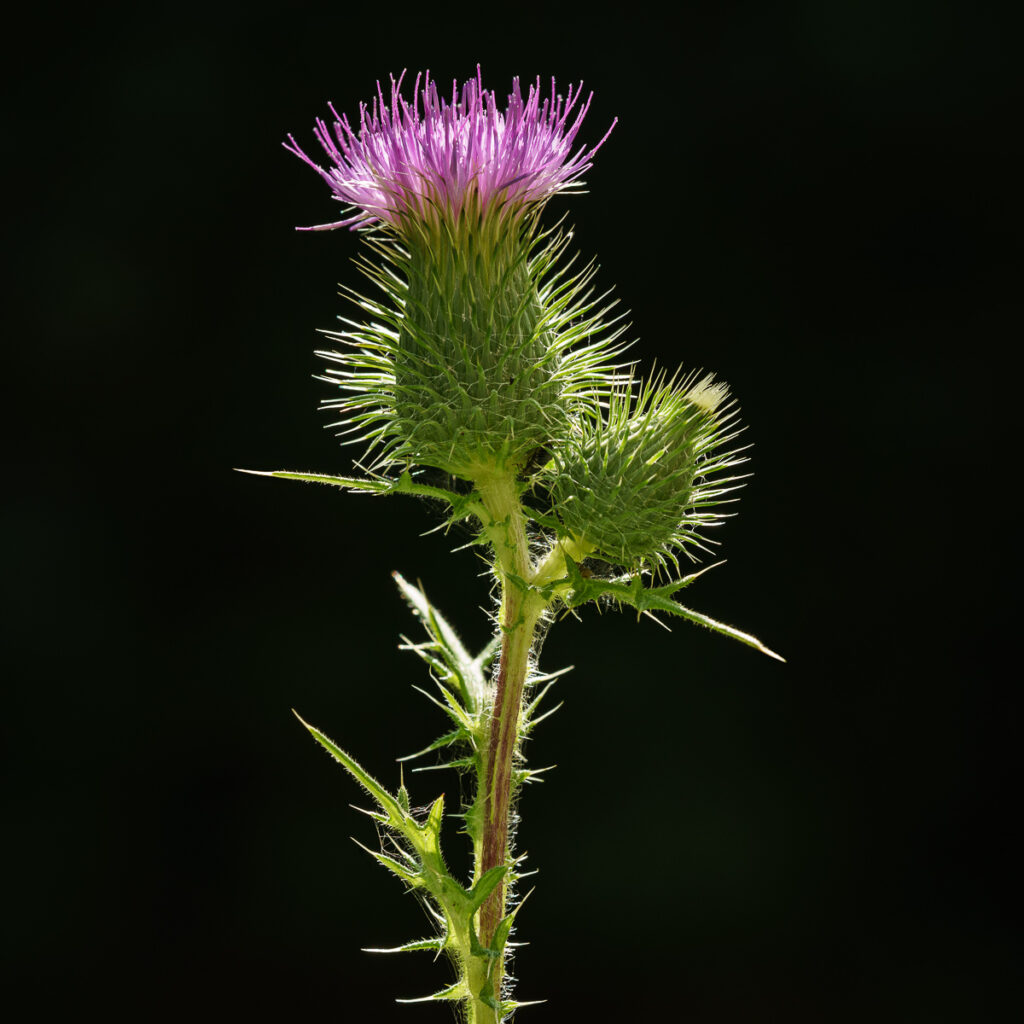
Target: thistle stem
x: 522, y: 606
x: 520, y: 611
x: 519, y: 620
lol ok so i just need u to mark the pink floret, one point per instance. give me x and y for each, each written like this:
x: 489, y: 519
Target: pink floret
x: 407, y: 161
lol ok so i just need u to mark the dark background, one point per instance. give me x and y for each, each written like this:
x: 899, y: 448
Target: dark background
x: 814, y: 200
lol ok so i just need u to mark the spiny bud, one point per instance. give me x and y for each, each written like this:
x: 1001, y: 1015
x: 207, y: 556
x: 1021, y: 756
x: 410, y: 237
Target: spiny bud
x: 475, y: 365
x: 635, y: 485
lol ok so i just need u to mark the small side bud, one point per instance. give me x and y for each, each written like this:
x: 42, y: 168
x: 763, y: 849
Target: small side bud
x: 635, y: 486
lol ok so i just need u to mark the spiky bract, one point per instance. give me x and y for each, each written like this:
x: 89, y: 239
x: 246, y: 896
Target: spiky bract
x: 482, y: 351
x: 638, y: 484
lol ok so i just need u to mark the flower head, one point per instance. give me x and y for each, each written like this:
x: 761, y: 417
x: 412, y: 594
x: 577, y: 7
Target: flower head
x: 434, y: 156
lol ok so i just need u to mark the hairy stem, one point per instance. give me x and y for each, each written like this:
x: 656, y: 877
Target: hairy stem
x: 476, y: 1010
x: 520, y: 611
x: 522, y: 606
x: 519, y: 620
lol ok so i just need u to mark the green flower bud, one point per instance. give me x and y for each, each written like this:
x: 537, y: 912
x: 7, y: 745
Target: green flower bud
x: 634, y: 487
x: 475, y: 364
x: 478, y: 362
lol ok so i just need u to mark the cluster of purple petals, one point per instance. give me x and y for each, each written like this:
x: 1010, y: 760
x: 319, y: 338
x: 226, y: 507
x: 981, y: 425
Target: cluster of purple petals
x: 410, y: 161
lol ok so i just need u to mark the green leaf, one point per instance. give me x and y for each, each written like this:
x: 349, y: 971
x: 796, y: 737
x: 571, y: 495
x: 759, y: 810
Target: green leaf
x: 628, y: 590
x: 461, y: 762
x: 390, y: 804
x: 408, y: 876
x: 442, y: 741
x: 449, y: 705
x: 486, y: 996
x: 463, y: 505
x: 403, y: 797
x: 485, y: 886
x: 529, y: 721
x: 432, y: 618
x: 501, y: 933
x: 475, y: 949
x: 435, y: 818
x: 524, y: 775
x: 376, y: 815
x: 528, y: 727
x: 453, y: 992
x: 651, y: 599
x: 349, y: 483
x: 467, y: 670
x: 721, y: 627
x: 430, y: 945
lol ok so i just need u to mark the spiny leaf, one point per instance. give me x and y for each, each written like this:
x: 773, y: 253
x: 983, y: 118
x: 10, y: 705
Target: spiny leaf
x: 462, y: 505
x: 485, y: 886
x: 453, y: 992
x: 432, y: 619
x: 377, y: 486
x: 376, y: 815
x: 531, y: 774
x: 486, y: 996
x: 536, y: 721
x: 547, y: 677
x: 403, y: 796
x: 451, y: 707
x: 721, y: 627
x: 398, y: 816
x: 501, y: 933
x: 431, y: 945
x: 650, y: 599
x: 442, y: 741
x: 466, y: 669
x: 462, y: 762
x: 476, y: 949
x: 628, y: 590
x: 529, y: 721
x: 409, y: 877
x: 441, y: 669
x: 435, y: 818
x: 428, y: 652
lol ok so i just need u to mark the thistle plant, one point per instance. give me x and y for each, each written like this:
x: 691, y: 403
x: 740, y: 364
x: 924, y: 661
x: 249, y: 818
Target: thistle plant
x: 486, y: 374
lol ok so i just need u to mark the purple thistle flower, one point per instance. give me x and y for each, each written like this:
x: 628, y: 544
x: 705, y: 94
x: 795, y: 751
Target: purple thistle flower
x: 410, y: 162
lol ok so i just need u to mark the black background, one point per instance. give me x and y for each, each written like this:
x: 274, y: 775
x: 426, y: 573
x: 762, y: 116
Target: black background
x: 814, y: 200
